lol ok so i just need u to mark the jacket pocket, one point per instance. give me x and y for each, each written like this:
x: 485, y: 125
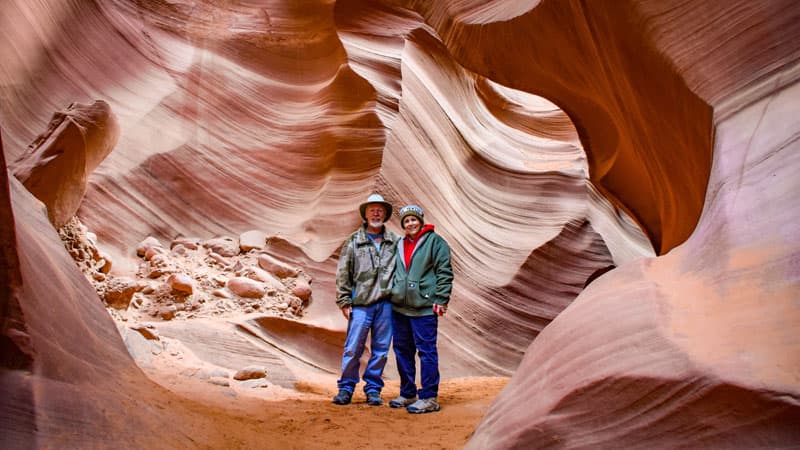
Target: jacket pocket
x: 398, y: 290
x: 417, y: 296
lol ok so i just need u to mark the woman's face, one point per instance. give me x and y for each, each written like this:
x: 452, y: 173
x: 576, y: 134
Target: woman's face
x: 411, y: 225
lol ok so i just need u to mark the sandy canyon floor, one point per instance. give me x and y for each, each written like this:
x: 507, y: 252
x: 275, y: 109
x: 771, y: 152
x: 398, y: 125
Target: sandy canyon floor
x: 303, y: 418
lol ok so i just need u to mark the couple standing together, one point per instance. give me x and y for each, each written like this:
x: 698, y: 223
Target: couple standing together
x: 396, y: 288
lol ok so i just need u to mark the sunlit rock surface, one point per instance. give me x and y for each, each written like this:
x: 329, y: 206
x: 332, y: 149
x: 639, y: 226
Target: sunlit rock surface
x: 57, y: 164
x: 282, y: 117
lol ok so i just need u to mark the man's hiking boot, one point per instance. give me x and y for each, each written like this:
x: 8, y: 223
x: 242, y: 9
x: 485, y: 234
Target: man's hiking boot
x: 402, y: 402
x: 423, y: 405
x: 374, y: 399
x: 342, y: 398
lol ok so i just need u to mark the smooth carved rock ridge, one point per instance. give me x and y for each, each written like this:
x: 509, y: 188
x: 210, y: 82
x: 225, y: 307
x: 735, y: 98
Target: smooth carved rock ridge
x: 58, y: 163
x: 668, y: 129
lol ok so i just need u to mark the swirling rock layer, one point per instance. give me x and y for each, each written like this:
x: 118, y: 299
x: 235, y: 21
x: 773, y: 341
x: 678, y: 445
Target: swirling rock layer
x: 703, y: 342
x: 282, y: 119
x: 700, y: 351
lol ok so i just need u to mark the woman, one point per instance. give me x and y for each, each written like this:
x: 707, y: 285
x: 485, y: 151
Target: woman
x: 422, y: 283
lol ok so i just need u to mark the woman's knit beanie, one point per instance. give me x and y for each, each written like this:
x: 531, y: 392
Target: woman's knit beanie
x: 412, y: 210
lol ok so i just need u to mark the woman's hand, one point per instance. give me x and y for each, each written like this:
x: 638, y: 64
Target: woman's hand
x: 439, y: 310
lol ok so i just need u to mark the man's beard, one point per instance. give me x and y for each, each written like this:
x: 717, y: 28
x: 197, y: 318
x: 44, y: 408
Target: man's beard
x: 377, y: 224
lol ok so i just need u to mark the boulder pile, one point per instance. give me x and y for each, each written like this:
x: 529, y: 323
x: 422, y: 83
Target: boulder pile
x: 192, y: 277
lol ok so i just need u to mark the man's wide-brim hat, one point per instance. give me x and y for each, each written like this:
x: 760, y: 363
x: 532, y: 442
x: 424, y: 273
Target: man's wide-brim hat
x: 375, y: 198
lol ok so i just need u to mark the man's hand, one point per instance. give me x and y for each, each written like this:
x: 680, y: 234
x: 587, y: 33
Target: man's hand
x: 439, y: 310
x: 346, y: 310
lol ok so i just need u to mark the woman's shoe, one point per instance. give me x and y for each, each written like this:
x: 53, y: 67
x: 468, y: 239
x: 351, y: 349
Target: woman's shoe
x: 402, y: 402
x: 423, y: 405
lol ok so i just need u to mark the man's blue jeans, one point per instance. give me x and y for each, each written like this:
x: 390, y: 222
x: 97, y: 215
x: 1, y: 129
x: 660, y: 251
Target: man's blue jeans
x: 412, y: 335
x: 363, y: 319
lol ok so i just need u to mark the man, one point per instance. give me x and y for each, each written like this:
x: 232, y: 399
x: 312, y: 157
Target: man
x: 363, y: 287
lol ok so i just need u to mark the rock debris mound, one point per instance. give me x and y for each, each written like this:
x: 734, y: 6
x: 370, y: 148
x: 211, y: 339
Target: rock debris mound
x: 192, y: 277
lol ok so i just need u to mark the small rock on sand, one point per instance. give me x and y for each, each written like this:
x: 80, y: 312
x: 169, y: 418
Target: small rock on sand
x: 251, y: 240
x: 245, y: 287
x: 181, y: 283
x: 276, y: 267
x: 250, y: 373
x: 119, y: 292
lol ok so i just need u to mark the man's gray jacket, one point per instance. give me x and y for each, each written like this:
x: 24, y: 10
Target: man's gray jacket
x: 364, y: 274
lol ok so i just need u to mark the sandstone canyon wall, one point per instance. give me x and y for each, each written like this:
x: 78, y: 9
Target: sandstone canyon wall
x: 67, y: 380
x: 253, y: 117
x: 282, y: 116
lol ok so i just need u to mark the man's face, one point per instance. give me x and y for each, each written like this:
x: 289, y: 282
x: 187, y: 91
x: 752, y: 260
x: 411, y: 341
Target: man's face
x: 375, y: 214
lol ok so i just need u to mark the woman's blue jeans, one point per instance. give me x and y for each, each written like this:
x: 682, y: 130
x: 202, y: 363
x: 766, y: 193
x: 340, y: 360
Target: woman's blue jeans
x: 412, y: 336
x: 363, y: 319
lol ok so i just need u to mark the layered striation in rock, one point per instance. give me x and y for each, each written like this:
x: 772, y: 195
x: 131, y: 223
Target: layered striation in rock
x: 504, y: 195
x: 703, y: 342
x: 228, y: 133
x: 232, y: 119
x: 701, y: 350
x: 604, y: 72
x: 283, y: 116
